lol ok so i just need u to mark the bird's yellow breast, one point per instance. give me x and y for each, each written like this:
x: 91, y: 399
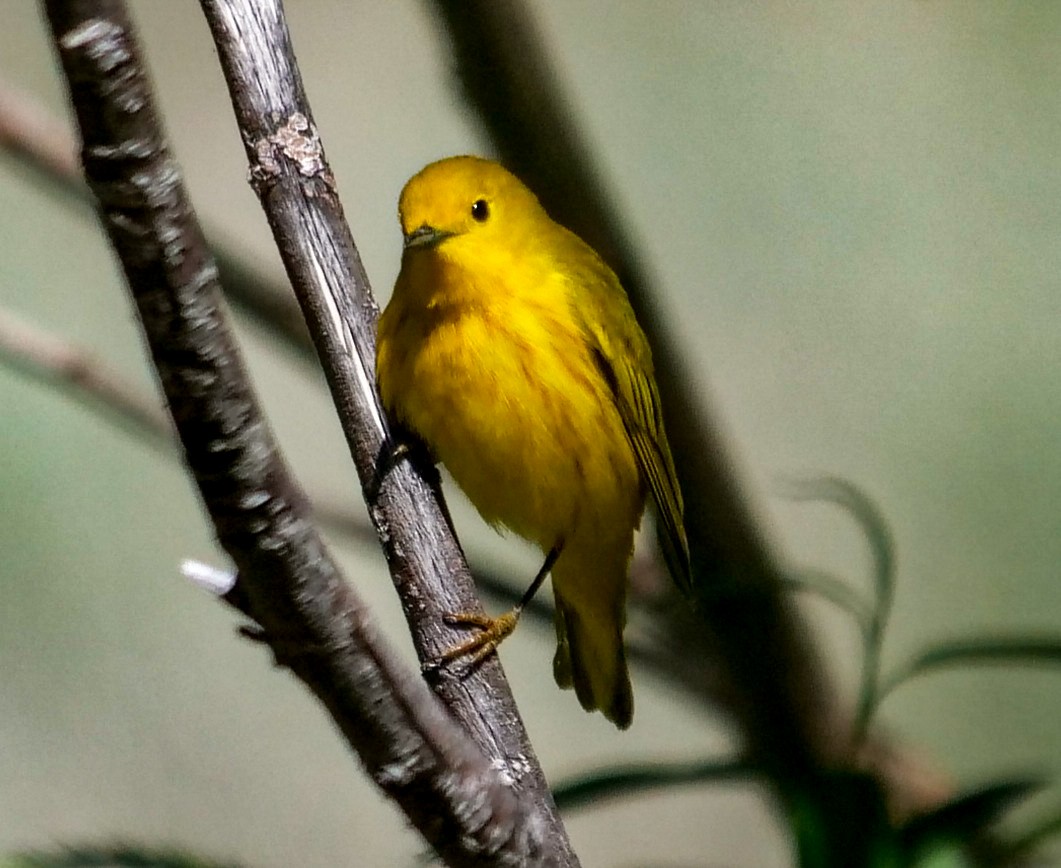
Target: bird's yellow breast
x: 499, y: 382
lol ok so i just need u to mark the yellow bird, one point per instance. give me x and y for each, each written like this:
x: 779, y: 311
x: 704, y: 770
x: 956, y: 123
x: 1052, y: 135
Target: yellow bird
x: 511, y: 350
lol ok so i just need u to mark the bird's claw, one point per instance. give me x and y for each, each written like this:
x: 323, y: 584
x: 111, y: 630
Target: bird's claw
x: 492, y: 631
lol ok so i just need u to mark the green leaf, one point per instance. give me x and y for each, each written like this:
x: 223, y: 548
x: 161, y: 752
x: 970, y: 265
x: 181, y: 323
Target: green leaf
x: 978, y: 651
x: 839, y: 820
x: 622, y: 781
x: 943, y: 856
x: 963, y: 818
x: 1035, y: 837
x: 836, y: 591
x: 854, y: 501
x: 882, y: 547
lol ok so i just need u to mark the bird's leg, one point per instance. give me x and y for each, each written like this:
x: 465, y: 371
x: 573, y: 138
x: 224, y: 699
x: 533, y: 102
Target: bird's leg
x: 492, y: 631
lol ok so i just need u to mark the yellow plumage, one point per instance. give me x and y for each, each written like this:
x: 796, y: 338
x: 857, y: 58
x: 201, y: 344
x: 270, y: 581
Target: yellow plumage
x: 510, y: 348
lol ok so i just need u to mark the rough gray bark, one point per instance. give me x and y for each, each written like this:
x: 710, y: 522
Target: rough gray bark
x: 292, y: 178
x: 470, y: 809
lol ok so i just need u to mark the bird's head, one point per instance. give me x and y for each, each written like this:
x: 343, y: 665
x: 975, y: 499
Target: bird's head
x: 465, y: 197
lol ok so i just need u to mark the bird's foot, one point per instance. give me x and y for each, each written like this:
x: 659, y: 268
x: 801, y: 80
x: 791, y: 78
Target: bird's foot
x: 475, y: 649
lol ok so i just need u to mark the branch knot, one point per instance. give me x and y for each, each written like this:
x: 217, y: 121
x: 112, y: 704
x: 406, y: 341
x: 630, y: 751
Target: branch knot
x: 297, y: 141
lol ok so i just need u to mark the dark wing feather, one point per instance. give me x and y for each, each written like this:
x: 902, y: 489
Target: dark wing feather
x: 638, y: 404
x: 621, y: 352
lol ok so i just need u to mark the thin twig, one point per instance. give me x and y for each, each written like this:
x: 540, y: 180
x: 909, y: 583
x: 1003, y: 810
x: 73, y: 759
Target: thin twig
x: 288, y: 582
x: 54, y: 360
x: 43, y: 142
x: 30, y: 131
x: 292, y: 178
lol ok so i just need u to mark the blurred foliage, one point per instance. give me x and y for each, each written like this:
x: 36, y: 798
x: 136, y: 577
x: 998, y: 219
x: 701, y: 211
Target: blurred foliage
x: 115, y: 856
x: 622, y: 781
x: 839, y: 818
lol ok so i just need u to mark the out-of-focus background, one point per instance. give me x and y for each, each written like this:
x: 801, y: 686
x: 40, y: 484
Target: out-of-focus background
x: 853, y: 212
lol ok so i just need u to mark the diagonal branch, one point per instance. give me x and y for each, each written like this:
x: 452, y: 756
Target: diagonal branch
x: 53, y: 360
x: 41, y: 141
x: 289, y: 172
x: 288, y: 583
x: 292, y: 177
x: 31, y: 132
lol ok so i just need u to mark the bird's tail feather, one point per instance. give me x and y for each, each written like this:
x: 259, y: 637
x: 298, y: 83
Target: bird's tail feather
x: 590, y: 657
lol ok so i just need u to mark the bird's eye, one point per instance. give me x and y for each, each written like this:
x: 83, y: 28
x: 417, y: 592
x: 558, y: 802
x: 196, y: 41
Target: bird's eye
x: 480, y: 210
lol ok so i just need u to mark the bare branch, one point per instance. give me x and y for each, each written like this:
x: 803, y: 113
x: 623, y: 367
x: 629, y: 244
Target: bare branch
x: 32, y: 134
x: 55, y: 361
x: 294, y: 182
x: 288, y: 583
x: 29, y: 131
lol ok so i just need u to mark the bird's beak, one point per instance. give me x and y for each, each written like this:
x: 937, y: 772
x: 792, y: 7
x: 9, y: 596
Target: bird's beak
x: 425, y: 236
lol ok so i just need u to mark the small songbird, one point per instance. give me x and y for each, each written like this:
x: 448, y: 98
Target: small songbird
x: 510, y: 349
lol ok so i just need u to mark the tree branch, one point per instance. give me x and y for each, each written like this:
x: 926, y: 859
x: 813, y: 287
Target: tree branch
x: 289, y: 584
x: 42, y: 142
x: 53, y: 360
x: 289, y: 172
x: 31, y: 132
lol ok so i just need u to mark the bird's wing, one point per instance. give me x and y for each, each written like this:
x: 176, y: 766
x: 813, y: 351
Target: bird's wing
x: 622, y: 354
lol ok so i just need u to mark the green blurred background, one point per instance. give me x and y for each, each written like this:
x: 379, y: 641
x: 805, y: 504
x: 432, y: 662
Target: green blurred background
x: 854, y: 213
